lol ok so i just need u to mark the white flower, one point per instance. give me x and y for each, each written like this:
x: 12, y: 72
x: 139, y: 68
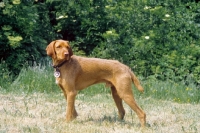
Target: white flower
x: 147, y: 37
x: 146, y: 7
x: 109, y: 32
x: 167, y: 15
x: 2, y: 4
x: 61, y: 17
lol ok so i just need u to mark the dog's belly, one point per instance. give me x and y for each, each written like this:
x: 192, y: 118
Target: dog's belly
x: 83, y: 83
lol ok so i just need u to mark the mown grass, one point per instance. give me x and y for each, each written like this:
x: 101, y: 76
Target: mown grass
x: 34, y: 103
x: 42, y: 112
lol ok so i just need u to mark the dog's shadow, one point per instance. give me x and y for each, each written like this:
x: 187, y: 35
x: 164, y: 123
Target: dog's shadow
x: 109, y: 120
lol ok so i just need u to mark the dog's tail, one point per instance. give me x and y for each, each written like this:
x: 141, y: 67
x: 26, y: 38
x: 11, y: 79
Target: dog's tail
x: 136, y: 82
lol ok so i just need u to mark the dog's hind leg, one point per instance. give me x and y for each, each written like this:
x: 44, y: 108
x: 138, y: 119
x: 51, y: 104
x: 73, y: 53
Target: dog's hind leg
x: 118, y: 102
x: 124, y: 90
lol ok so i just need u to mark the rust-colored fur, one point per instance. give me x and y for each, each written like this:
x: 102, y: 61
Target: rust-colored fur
x: 78, y: 73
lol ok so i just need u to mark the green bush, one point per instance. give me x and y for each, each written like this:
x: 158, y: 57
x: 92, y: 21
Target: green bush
x: 24, y: 33
x: 159, y: 38
x: 154, y: 38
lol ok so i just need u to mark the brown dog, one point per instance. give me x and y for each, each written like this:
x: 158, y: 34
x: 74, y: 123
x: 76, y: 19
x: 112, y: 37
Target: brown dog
x: 74, y: 73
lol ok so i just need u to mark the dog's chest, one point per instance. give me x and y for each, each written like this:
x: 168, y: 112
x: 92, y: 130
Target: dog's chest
x: 58, y: 81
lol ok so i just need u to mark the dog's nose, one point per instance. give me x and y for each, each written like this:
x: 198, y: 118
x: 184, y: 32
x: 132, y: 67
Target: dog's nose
x: 66, y: 53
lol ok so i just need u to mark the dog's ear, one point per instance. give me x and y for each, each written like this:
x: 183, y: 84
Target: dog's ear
x: 70, y: 50
x: 50, y: 50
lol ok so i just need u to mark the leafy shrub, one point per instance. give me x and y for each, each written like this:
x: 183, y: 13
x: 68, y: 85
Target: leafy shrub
x: 153, y: 37
x: 24, y: 33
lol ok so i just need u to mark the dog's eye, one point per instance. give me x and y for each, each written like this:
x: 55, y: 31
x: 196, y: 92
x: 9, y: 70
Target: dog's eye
x: 58, y: 46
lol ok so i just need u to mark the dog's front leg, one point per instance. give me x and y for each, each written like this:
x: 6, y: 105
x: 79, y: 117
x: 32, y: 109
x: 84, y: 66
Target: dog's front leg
x: 71, y: 111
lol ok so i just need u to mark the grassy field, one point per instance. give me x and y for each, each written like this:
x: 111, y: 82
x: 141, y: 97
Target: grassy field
x: 33, y: 103
x: 40, y: 112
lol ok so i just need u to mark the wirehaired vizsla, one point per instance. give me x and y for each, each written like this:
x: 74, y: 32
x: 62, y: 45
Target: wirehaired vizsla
x: 74, y: 73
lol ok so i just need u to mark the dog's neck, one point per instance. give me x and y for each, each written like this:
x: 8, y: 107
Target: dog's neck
x: 57, y: 65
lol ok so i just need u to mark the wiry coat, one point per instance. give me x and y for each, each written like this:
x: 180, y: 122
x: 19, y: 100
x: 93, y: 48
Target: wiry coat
x: 77, y: 73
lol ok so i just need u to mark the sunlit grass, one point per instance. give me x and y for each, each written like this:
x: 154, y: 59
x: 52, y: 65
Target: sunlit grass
x: 41, y: 112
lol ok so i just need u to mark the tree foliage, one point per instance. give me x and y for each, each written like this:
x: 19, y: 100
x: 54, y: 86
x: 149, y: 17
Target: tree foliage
x: 159, y: 38
x: 25, y: 31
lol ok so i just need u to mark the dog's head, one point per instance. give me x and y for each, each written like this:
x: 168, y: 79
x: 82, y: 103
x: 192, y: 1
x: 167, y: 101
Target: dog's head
x: 59, y: 50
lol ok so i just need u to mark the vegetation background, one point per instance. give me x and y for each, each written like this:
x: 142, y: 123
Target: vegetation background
x: 154, y: 37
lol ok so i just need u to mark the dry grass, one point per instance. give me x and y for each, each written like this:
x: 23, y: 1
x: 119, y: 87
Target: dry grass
x: 40, y: 112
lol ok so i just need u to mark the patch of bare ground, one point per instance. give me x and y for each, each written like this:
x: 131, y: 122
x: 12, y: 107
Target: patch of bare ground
x: 46, y: 113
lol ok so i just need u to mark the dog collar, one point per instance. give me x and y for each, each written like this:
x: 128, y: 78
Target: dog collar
x: 59, y: 65
x: 57, y: 71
